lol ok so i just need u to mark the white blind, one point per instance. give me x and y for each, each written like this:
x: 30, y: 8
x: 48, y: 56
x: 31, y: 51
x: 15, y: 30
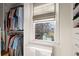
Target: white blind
x: 44, y: 11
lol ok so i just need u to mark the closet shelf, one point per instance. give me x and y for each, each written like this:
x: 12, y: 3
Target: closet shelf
x: 11, y: 32
x: 15, y: 31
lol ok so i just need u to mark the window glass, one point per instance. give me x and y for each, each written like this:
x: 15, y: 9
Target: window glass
x: 44, y: 30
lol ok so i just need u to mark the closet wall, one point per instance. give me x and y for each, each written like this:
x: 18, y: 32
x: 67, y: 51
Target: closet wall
x: 32, y: 49
x: 65, y: 47
x: 66, y: 15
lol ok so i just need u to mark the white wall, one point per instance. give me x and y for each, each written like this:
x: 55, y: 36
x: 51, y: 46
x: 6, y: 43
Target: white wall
x: 26, y: 27
x: 65, y: 47
x: 29, y: 48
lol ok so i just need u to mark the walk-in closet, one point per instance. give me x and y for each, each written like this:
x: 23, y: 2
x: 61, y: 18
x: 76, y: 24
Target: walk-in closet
x: 39, y: 29
x: 12, y: 39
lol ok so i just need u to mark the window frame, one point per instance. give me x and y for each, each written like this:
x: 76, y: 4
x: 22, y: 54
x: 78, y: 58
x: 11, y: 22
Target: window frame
x: 57, y: 31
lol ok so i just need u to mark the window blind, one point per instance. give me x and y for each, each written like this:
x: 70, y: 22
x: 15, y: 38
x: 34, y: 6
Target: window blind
x: 44, y: 11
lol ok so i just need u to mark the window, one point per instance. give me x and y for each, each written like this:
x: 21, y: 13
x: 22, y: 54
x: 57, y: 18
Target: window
x: 44, y: 23
x: 44, y: 29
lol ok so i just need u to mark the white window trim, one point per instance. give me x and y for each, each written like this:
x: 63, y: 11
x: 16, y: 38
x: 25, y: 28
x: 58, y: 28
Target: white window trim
x: 56, y: 38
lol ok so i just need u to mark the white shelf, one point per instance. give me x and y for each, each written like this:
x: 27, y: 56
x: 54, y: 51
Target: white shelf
x: 11, y: 32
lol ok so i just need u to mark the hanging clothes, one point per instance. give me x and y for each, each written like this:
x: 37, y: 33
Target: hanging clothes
x: 20, y: 15
x: 16, y: 44
x: 15, y: 19
x: 2, y: 45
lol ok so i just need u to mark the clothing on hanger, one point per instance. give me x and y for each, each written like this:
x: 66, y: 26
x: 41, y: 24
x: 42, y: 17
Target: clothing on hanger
x: 16, y: 44
x: 15, y: 19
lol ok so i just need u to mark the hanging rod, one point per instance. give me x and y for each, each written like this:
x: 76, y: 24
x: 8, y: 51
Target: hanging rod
x: 15, y: 32
x: 17, y: 6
